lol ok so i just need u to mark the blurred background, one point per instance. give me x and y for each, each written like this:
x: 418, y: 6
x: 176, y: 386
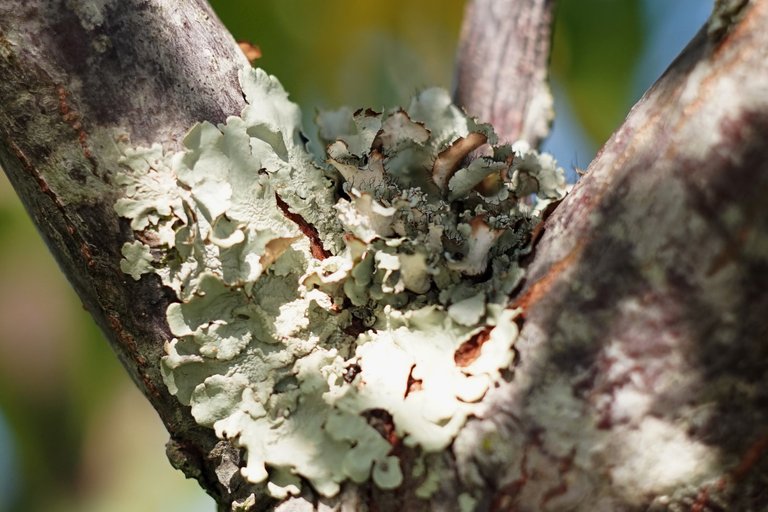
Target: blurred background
x: 75, y: 435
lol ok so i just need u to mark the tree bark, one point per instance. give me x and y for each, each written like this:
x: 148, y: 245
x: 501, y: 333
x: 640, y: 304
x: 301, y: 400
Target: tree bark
x: 501, y: 66
x: 76, y: 77
x: 642, y: 356
x: 641, y: 382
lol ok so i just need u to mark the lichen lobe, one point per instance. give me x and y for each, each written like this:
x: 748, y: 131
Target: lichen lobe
x: 389, y: 259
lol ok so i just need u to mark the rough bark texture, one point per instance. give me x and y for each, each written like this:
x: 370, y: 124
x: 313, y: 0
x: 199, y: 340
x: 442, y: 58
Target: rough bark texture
x: 642, y: 361
x: 643, y: 358
x: 74, y: 77
x: 501, y: 68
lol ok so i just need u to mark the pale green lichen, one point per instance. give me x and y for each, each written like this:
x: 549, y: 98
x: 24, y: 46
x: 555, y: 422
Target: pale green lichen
x: 430, y: 474
x: 91, y: 13
x: 324, y: 308
x: 467, y: 502
x: 137, y: 260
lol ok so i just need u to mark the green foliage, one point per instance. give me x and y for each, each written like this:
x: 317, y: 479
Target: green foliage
x: 595, y: 51
x: 356, y: 53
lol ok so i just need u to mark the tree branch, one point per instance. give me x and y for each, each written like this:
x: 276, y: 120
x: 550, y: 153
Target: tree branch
x: 74, y: 79
x: 642, y: 358
x: 501, y: 69
x: 641, y: 382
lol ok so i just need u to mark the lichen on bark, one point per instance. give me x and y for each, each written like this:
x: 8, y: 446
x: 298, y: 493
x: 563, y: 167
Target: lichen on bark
x: 312, y: 296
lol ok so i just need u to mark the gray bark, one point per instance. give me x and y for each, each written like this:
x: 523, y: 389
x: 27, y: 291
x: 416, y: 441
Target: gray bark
x: 501, y: 66
x: 74, y: 78
x: 643, y: 343
x: 642, y: 374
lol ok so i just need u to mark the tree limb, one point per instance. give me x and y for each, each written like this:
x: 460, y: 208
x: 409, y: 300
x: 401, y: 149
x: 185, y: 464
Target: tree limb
x: 643, y: 344
x: 74, y: 79
x: 641, y: 382
x: 501, y: 68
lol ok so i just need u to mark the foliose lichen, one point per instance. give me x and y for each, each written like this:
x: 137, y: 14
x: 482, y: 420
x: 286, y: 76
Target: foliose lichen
x: 329, y: 312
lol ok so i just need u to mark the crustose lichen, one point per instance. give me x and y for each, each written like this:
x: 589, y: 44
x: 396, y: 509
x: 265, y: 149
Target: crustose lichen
x: 315, y: 297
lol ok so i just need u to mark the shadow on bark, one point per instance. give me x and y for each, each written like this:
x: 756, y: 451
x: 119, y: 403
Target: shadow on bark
x: 173, y: 87
x: 643, y: 328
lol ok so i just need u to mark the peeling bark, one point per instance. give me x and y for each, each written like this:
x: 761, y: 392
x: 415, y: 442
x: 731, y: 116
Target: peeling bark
x: 642, y: 361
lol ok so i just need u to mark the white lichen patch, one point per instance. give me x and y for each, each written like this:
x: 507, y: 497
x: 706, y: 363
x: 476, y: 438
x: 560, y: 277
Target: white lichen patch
x: 674, y: 460
x: 91, y: 13
x: 324, y: 312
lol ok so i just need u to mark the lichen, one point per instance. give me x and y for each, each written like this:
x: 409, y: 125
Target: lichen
x: 467, y: 503
x: 329, y: 311
x: 91, y: 13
